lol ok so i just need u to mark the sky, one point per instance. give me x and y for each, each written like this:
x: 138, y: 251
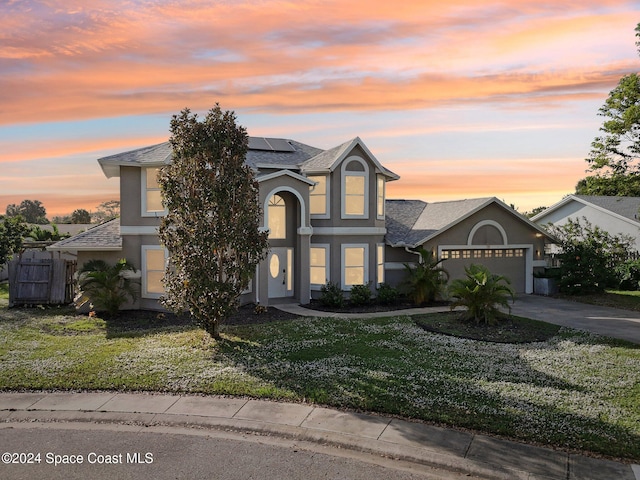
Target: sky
x: 462, y: 99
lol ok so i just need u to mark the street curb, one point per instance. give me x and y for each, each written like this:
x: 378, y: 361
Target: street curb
x: 161, y: 423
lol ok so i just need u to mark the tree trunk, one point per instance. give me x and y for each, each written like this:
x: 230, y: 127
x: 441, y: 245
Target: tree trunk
x: 213, y: 328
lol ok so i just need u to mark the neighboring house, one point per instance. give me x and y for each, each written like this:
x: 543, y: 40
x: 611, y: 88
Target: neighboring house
x: 327, y: 218
x: 615, y: 215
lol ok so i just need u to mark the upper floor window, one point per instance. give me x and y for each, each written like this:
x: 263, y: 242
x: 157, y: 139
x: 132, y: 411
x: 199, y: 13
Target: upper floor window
x: 319, y: 196
x: 380, y: 197
x: 355, y: 188
x: 151, y: 194
x: 277, y: 211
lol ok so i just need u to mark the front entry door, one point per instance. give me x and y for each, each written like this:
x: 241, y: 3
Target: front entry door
x: 280, y: 263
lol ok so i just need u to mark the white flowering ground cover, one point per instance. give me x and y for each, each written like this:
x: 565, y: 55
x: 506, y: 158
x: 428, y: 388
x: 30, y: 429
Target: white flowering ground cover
x: 575, y: 391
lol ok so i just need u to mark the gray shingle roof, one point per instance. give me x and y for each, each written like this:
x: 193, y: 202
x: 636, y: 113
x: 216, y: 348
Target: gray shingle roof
x: 105, y: 236
x: 161, y: 154
x: 324, y: 160
x: 411, y: 222
x: 624, y: 206
x: 301, y: 156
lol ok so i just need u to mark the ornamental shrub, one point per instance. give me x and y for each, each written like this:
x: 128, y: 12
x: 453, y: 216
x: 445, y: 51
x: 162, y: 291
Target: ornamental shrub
x: 360, y: 294
x: 331, y: 295
x: 628, y: 275
x: 386, y: 294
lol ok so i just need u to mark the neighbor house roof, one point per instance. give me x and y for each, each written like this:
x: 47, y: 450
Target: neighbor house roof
x: 410, y: 223
x: 625, y: 207
x: 105, y: 236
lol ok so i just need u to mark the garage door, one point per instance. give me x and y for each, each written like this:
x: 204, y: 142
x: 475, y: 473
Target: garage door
x: 509, y: 262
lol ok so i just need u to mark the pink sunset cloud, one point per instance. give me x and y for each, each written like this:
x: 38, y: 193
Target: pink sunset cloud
x: 66, y: 62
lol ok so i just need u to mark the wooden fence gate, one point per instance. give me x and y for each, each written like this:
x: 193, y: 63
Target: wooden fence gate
x: 40, y: 281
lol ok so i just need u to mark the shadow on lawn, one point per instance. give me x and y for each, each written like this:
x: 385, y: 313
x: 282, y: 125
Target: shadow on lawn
x: 450, y: 391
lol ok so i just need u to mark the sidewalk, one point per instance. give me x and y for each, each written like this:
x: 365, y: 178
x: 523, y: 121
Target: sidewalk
x: 477, y: 455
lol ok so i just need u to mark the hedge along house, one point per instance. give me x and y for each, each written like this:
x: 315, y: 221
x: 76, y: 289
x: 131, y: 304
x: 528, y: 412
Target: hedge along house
x: 328, y: 221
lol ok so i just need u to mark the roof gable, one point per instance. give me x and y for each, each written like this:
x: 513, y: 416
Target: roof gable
x: 328, y: 160
x: 409, y: 225
x: 623, y: 208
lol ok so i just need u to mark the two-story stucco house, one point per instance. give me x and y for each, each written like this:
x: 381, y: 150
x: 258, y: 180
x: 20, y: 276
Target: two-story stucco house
x: 328, y: 220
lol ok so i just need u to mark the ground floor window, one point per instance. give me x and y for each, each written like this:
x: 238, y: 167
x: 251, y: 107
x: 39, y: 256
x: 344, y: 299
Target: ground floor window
x: 154, y: 258
x: 380, y: 263
x: 354, y: 265
x: 319, y: 265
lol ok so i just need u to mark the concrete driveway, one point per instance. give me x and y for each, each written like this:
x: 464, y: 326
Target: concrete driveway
x: 612, y: 322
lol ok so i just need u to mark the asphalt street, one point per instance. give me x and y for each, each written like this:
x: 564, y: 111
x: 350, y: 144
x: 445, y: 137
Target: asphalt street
x: 81, y: 451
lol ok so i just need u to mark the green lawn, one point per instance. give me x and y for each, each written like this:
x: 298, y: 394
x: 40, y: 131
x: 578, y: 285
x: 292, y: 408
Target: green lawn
x: 573, y: 390
x: 629, y: 300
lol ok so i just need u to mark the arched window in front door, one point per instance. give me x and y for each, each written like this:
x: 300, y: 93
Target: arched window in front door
x: 277, y: 211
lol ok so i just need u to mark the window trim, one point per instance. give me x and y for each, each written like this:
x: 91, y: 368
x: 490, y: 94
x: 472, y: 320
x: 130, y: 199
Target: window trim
x: 144, y: 212
x: 343, y: 272
x: 145, y: 287
x: 327, y: 259
x: 327, y: 195
x: 279, y: 206
x: 380, y: 248
x: 343, y: 182
x: 379, y: 194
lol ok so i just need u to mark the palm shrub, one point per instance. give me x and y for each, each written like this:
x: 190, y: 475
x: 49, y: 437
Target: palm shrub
x: 426, y: 280
x: 107, y: 286
x: 481, y: 293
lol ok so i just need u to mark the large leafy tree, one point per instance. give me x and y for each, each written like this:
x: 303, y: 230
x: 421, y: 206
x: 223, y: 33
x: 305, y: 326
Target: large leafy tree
x: 589, y: 255
x: 12, y: 231
x: 32, y: 211
x: 211, y: 229
x: 615, y: 154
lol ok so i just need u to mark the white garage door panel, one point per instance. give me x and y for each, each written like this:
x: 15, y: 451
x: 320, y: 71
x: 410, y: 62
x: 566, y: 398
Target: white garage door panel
x: 512, y: 266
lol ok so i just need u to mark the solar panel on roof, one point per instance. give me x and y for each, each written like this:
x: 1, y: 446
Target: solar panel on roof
x: 259, y: 143
x: 280, y: 145
x: 270, y: 144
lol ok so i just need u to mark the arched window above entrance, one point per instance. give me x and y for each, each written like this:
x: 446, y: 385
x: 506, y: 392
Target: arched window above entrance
x: 277, y: 212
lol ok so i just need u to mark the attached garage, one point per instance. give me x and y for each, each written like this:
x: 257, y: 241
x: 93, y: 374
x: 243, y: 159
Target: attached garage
x: 482, y: 231
x: 509, y: 262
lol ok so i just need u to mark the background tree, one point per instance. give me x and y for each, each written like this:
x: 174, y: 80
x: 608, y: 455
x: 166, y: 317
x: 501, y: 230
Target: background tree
x: 615, y: 155
x: 211, y: 229
x: 80, y: 215
x: 12, y: 231
x: 106, y: 211
x: 32, y: 211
